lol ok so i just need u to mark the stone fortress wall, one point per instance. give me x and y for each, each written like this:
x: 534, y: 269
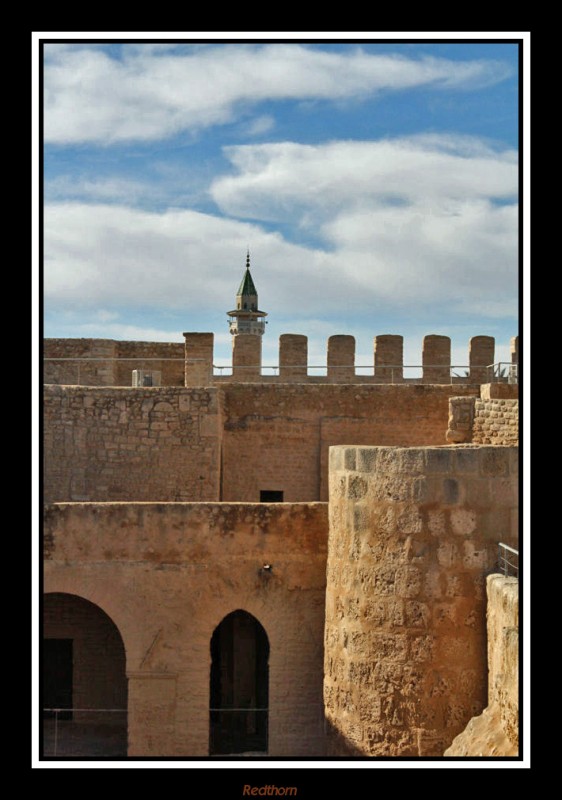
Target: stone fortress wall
x: 492, y: 418
x: 105, y: 362
x: 164, y: 532
x: 228, y: 443
x: 495, y: 732
x: 389, y: 575
x: 413, y: 533
x: 167, y: 574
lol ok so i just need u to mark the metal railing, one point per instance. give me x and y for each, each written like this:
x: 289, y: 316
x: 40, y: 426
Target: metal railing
x: 503, y: 372
x: 381, y: 373
x: 75, y: 732
x: 508, y: 561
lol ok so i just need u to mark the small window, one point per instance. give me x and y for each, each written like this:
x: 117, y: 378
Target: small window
x: 271, y: 496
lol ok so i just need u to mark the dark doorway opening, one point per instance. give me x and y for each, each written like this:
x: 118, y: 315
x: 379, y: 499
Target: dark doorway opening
x: 271, y: 496
x: 239, y: 686
x: 57, y: 677
x: 83, y: 664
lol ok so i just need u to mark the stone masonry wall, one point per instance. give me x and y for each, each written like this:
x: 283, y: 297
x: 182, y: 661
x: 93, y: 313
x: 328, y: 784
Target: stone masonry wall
x: 167, y: 574
x: 413, y: 532
x: 496, y: 422
x: 154, y: 356
x: 493, y: 418
x: 278, y: 437
x: 131, y: 444
x: 208, y: 444
x: 79, y: 372
x: 495, y: 732
x: 117, y: 361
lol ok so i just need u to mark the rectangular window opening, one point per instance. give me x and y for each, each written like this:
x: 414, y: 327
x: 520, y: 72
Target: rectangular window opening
x: 271, y: 496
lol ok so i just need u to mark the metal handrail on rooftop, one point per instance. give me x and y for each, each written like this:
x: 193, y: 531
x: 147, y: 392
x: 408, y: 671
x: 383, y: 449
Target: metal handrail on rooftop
x: 508, y: 560
x: 501, y: 371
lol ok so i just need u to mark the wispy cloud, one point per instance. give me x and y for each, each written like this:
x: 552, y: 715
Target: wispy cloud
x: 71, y: 187
x: 259, y: 125
x: 93, y: 96
x: 288, y: 180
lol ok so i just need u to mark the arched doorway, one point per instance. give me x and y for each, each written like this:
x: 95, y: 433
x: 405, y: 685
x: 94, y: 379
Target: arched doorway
x: 84, y: 683
x: 239, y: 686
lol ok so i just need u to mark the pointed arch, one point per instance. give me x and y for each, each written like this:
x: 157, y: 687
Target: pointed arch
x: 239, y: 685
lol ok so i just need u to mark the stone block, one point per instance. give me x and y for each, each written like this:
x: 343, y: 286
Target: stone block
x: 349, y: 458
x: 450, y: 491
x: 438, y: 459
x: 465, y: 460
x: 463, y: 521
x: 366, y: 459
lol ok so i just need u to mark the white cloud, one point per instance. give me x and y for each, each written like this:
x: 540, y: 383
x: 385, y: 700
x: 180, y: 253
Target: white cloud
x: 68, y: 187
x: 285, y: 179
x: 112, y: 256
x: 91, y: 96
x: 413, y: 220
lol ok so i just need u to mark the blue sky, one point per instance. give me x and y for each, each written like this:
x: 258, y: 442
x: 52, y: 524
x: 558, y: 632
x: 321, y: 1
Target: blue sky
x: 376, y: 186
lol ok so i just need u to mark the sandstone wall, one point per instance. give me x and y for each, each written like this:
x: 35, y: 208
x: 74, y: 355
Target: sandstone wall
x: 84, y: 370
x: 106, y: 362
x: 493, y: 418
x: 496, y: 731
x: 496, y: 422
x: 164, y: 357
x: 413, y: 532
x: 279, y: 437
x: 131, y: 444
x: 167, y: 574
x: 207, y: 444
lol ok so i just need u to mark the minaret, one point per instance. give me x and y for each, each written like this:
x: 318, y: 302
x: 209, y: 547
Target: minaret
x: 247, y: 318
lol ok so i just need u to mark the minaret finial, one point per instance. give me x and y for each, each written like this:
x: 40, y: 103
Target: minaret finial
x: 248, y: 259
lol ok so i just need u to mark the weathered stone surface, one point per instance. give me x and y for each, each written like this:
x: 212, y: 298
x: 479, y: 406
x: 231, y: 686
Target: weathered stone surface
x: 491, y: 419
x: 495, y: 732
x: 409, y: 552
x: 175, y: 443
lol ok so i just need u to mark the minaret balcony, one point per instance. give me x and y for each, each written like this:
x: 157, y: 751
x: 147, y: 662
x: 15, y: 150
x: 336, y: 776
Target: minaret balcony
x: 254, y: 326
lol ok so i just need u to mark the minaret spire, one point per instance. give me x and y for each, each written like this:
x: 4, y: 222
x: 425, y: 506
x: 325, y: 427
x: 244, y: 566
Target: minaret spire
x: 246, y: 317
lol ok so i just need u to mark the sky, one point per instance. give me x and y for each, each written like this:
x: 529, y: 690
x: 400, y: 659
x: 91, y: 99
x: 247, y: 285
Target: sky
x: 374, y: 184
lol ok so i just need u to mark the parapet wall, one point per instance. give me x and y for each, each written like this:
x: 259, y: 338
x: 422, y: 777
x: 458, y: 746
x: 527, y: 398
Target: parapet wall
x: 105, y: 362
x: 388, y: 361
x: 167, y: 574
x: 413, y: 533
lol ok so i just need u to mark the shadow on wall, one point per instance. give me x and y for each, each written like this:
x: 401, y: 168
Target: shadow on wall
x: 338, y: 746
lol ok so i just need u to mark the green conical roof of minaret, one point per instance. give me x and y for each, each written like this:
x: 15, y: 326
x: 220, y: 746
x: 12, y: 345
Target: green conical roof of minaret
x: 247, y: 286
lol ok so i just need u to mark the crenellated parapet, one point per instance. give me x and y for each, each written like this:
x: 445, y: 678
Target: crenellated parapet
x: 387, y: 366
x: 106, y: 362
